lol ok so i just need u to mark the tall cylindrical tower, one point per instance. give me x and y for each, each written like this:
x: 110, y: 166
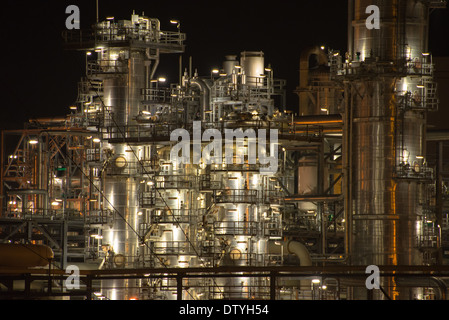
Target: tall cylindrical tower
x: 122, y: 56
x: 386, y: 209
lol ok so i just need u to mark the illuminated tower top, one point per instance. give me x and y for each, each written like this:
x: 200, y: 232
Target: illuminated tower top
x: 140, y: 33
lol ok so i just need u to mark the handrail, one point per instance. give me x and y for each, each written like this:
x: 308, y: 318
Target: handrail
x: 123, y: 34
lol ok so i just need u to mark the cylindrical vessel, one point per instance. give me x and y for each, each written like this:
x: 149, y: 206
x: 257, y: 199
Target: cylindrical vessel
x: 229, y: 64
x: 14, y: 255
x: 122, y: 90
x: 381, y: 43
x: 385, y: 207
x: 403, y: 30
x: 253, y: 64
x: 383, y: 211
x: 115, y: 98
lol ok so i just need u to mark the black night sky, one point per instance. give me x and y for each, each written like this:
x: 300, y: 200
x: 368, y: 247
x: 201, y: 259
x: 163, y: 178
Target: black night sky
x: 39, y: 78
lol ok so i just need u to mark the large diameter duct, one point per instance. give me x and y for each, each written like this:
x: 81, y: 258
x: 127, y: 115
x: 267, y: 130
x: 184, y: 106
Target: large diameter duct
x: 205, y: 95
x: 300, y: 251
x: 291, y: 247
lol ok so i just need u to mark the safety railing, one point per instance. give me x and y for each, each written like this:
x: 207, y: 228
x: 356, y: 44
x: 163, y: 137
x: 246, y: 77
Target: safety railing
x: 228, y: 167
x: 224, y: 282
x: 271, y: 196
x: 41, y: 213
x: 414, y: 172
x: 176, y: 182
x: 115, y: 33
x: 427, y: 241
x: 247, y: 228
x: 148, y: 199
x: 207, y: 184
x: 172, y: 248
x: 445, y: 224
x: 129, y: 167
x: 107, y: 67
x: 235, y: 196
x: 156, y: 95
x: 175, y: 216
x: 98, y: 217
x: 161, y: 130
x: 420, y: 67
x: 425, y: 98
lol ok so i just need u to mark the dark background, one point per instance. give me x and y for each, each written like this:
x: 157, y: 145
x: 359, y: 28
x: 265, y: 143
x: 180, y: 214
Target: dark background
x: 39, y: 78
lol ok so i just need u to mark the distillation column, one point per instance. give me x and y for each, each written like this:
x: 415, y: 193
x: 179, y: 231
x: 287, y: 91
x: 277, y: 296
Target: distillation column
x: 386, y: 208
x: 122, y: 96
x: 123, y: 56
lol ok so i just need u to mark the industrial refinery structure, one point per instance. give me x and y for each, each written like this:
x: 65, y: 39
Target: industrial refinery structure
x: 353, y: 185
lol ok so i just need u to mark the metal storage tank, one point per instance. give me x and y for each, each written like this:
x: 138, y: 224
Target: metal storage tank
x: 253, y: 64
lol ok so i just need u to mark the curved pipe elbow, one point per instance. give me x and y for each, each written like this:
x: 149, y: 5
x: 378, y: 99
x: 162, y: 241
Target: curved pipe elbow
x: 205, y: 90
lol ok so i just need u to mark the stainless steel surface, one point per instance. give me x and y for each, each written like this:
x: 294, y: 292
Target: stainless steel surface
x: 386, y: 209
x: 403, y: 28
x: 229, y: 64
x: 108, y: 168
x: 253, y: 65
